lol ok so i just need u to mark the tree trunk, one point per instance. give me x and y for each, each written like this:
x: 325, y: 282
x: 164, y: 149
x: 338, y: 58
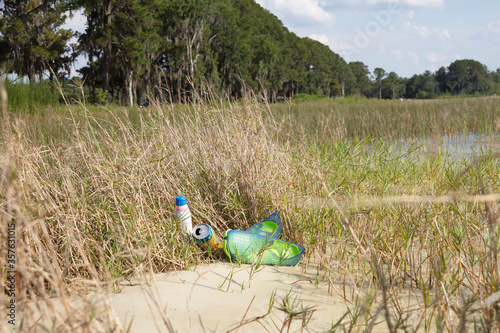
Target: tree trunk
x: 106, y: 65
x: 157, y: 85
x: 130, y: 89
x: 193, y: 42
x: 179, y: 97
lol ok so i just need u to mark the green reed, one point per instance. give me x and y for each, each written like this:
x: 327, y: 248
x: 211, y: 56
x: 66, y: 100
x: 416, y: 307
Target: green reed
x: 32, y: 97
x: 390, y: 120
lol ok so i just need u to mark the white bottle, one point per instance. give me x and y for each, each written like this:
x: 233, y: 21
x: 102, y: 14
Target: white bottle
x: 183, y: 215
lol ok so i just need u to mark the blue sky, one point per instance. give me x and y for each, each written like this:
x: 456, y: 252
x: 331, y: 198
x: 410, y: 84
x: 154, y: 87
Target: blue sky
x: 404, y: 36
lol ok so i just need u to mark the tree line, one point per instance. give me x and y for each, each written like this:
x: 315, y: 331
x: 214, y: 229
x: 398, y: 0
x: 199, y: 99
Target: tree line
x: 185, y: 50
x: 461, y: 77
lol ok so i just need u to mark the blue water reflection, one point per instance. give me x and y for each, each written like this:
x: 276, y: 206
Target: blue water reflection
x: 457, y: 146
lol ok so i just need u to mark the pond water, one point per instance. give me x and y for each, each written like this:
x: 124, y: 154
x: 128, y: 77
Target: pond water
x: 456, y: 146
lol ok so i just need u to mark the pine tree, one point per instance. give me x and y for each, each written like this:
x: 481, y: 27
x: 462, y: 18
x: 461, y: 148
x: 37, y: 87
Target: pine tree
x: 31, y: 38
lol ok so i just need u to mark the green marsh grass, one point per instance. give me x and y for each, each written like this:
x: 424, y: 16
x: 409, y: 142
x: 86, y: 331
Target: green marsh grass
x: 410, y: 241
x: 24, y: 97
x: 334, y: 121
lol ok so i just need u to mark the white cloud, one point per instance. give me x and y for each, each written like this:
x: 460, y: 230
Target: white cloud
x: 494, y: 26
x: 420, y: 30
x: 76, y: 23
x: 309, y: 10
x: 408, y: 14
x: 444, y: 33
x: 423, y: 3
x: 415, y: 57
x: 344, y: 49
x: 433, y: 68
x: 319, y: 37
x: 426, y: 32
x: 434, y: 57
x: 410, y: 3
x: 397, y: 53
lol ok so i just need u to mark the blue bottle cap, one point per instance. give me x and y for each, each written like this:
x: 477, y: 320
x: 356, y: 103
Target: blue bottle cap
x: 180, y: 201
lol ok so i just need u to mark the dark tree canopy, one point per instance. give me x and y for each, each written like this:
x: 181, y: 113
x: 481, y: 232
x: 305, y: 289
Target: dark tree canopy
x: 31, y: 40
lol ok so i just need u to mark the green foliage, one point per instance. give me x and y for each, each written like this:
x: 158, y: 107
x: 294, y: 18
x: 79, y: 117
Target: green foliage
x: 466, y: 76
x: 299, y: 98
x: 23, y: 96
x: 461, y: 77
x: 361, y: 76
x: 353, y: 99
x: 101, y: 96
x: 31, y: 38
x: 195, y: 47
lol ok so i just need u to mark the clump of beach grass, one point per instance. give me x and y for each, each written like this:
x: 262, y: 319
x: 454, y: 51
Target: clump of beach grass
x: 96, y: 189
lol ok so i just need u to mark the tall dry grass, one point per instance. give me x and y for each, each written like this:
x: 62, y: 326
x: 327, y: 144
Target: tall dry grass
x: 91, y: 192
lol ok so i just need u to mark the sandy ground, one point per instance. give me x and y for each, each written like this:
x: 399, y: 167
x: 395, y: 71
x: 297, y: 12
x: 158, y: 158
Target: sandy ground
x: 220, y: 297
